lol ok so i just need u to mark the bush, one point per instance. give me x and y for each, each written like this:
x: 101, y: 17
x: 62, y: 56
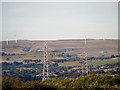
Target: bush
x: 87, y: 82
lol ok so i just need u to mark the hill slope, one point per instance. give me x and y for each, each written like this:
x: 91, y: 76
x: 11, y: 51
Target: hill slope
x: 95, y: 47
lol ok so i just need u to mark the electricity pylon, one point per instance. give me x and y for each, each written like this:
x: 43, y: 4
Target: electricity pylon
x: 84, y: 60
x: 46, y: 72
x: 45, y: 64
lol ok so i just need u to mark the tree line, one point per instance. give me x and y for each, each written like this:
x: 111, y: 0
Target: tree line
x: 89, y: 82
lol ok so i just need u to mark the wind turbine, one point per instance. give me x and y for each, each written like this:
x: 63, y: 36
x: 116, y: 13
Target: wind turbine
x: 7, y: 42
x: 16, y: 39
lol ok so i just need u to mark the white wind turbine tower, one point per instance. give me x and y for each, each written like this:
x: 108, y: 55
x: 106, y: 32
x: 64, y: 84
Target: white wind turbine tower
x: 7, y: 42
x: 16, y: 41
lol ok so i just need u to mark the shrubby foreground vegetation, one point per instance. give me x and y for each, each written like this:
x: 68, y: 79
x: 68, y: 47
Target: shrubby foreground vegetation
x: 92, y: 81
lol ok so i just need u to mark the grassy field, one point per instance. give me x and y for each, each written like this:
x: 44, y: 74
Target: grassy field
x: 22, y: 57
x: 95, y: 47
x: 37, y: 56
x: 31, y: 49
x: 32, y: 56
x: 94, y: 62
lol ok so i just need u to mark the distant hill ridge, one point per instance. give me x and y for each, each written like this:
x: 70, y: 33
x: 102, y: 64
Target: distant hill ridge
x: 94, y: 46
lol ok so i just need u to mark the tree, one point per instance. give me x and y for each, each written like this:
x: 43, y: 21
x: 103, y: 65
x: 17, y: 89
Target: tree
x: 7, y: 59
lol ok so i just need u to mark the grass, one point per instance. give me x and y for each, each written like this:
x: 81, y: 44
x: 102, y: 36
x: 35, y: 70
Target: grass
x: 71, y: 63
x: 23, y: 57
x: 94, y: 62
x: 99, y: 62
x: 36, y: 56
x: 32, y: 56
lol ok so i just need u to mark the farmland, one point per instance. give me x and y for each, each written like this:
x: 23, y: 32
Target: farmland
x: 95, y: 63
x: 24, y: 59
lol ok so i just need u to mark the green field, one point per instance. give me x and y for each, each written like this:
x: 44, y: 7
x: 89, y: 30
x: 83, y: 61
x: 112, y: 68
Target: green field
x: 32, y: 56
x: 94, y: 62
x: 22, y: 57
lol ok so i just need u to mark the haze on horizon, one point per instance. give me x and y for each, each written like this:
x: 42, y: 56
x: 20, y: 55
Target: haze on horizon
x: 59, y: 20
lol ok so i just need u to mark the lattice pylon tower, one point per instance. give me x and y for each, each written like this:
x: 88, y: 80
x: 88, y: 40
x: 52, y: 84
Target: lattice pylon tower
x: 45, y: 64
x: 84, y: 60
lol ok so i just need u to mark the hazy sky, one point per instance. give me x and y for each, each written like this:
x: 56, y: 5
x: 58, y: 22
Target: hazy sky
x: 60, y: 20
